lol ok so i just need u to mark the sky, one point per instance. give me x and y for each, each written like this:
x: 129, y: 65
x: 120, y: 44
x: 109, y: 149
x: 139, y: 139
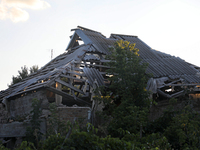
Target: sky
x: 29, y: 29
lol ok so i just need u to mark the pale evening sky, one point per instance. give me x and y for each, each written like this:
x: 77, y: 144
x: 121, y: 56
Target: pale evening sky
x: 29, y: 29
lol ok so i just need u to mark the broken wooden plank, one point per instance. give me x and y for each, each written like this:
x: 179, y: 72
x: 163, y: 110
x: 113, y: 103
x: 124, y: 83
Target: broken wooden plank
x: 80, y: 89
x: 163, y: 93
x: 58, y: 98
x: 105, y: 61
x: 79, y: 74
x: 178, y: 94
x: 67, y: 76
x: 22, y: 92
x: 169, y: 84
x: 68, y: 85
x: 77, y: 69
x: 170, y: 96
x: 103, y: 73
x: 73, y: 94
x: 78, y: 83
x: 64, y: 94
x: 101, y: 66
x: 183, y: 84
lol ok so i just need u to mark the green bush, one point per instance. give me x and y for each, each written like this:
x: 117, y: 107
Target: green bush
x: 53, y: 141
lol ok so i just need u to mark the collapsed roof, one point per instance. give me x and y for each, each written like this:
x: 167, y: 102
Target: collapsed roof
x: 81, y: 68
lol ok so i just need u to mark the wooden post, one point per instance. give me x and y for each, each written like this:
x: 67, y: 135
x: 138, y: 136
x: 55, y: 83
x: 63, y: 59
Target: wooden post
x: 58, y: 97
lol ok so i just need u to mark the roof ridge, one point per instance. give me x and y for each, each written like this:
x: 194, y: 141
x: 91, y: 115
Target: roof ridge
x: 86, y: 29
x: 83, y: 28
x: 123, y: 35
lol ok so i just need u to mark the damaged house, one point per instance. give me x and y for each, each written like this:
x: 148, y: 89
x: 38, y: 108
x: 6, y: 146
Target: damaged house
x: 70, y: 79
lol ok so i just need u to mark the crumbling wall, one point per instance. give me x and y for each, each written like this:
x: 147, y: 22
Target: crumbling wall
x: 17, y: 117
x: 195, y: 98
x: 157, y: 110
x: 82, y: 114
x: 12, y: 133
x: 14, y: 129
x: 22, y: 106
x: 3, y: 114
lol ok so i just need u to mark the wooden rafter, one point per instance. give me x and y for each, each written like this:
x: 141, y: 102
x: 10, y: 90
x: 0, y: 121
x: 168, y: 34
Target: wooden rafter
x: 74, y: 78
x: 68, y: 85
x: 64, y: 94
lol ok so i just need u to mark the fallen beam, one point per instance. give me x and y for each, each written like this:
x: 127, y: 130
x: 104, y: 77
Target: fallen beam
x: 68, y: 85
x: 64, y: 94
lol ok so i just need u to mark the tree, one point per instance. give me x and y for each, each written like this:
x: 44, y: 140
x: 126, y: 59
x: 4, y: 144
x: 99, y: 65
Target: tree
x: 183, y: 131
x: 33, y: 133
x: 55, y: 124
x: 23, y: 73
x: 128, y: 101
x: 33, y: 69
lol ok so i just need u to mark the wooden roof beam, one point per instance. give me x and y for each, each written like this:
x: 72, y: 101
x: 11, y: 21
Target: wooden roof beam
x: 68, y: 85
x: 64, y: 94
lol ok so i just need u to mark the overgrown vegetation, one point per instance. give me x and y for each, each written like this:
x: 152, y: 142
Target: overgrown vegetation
x: 126, y: 113
x: 33, y: 134
x: 55, y: 125
x: 126, y: 95
x: 23, y: 73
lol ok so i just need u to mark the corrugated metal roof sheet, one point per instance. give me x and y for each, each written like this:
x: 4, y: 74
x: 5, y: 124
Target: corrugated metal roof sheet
x: 93, y: 74
x: 97, y: 40
x: 46, y: 74
x: 90, y: 57
x: 160, y: 64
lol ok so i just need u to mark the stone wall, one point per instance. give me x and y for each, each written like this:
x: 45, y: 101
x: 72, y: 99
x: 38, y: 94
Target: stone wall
x: 14, y: 129
x: 19, y: 110
x: 196, y: 101
x: 70, y: 113
x: 157, y: 110
x: 3, y: 114
x: 22, y: 106
x: 18, y: 129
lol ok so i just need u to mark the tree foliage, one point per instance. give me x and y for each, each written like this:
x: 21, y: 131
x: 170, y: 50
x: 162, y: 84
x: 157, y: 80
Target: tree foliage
x: 126, y: 99
x: 23, y: 73
x: 128, y: 80
x: 55, y: 125
x: 33, y: 133
x: 33, y: 69
x: 183, y: 131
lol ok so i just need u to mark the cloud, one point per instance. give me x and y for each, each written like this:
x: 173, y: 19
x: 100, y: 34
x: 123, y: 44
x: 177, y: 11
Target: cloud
x: 17, y: 14
x: 13, y: 9
x: 3, y: 11
x: 31, y: 4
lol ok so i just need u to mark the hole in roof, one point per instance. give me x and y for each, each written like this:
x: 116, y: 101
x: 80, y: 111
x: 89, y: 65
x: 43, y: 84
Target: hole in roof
x: 80, y: 42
